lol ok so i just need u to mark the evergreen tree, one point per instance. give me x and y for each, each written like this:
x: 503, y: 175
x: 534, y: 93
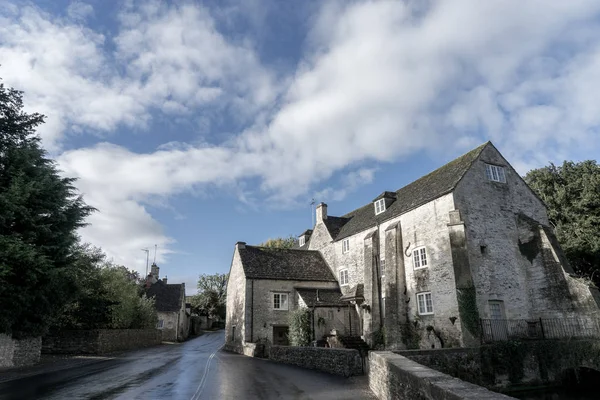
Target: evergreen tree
x: 572, y: 194
x: 40, y: 212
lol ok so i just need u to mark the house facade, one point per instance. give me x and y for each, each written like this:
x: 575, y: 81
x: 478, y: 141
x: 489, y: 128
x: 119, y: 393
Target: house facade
x: 426, y: 265
x: 171, y: 308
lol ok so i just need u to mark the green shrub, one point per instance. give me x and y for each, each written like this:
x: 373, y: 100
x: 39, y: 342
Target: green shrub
x: 300, y: 332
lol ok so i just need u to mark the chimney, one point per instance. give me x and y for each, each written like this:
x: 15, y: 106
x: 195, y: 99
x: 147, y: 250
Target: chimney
x: 154, y: 270
x: 321, y: 212
x: 240, y: 245
x: 165, y: 280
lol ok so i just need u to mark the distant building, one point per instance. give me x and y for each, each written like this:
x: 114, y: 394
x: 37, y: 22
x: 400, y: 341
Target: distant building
x: 171, y: 307
x: 428, y: 265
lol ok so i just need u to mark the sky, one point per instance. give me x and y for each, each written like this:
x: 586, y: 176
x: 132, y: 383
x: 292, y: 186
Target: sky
x: 192, y: 125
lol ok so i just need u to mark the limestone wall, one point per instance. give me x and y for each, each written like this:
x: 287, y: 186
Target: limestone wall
x: 99, y: 341
x: 19, y: 353
x: 392, y: 376
x: 344, y: 362
x: 235, y: 320
x: 261, y: 321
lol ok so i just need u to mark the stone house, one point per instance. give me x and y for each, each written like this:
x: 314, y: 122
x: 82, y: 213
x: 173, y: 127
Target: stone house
x: 265, y: 284
x: 427, y: 265
x: 172, y: 310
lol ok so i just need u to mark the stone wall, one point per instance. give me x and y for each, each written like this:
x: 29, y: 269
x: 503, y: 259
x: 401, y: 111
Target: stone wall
x: 344, y: 362
x: 236, y: 313
x: 508, y: 365
x: 392, y: 376
x: 99, y: 341
x: 18, y: 353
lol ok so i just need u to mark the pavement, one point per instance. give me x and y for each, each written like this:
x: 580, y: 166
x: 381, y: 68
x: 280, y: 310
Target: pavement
x: 194, y: 370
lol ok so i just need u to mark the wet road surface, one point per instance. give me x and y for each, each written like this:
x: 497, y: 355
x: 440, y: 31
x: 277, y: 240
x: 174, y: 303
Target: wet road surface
x: 193, y: 370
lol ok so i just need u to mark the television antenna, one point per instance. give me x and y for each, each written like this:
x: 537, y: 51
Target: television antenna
x: 147, y: 259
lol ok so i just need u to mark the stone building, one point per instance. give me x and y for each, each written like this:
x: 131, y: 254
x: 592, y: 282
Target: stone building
x: 426, y: 265
x: 171, y: 308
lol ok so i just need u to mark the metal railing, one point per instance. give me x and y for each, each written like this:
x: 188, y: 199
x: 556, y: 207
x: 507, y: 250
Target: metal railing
x: 494, y: 330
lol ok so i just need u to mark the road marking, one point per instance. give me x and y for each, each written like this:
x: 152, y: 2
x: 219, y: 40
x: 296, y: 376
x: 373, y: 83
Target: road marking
x: 202, y: 383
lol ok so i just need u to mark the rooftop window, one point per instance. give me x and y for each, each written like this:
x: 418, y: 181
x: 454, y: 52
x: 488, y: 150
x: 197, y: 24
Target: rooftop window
x: 379, y: 206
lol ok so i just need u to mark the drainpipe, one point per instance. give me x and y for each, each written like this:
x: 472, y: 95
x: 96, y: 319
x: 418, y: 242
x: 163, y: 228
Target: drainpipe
x: 251, y: 310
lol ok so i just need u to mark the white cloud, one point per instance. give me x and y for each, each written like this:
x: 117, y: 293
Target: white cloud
x: 80, y: 11
x: 379, y: 81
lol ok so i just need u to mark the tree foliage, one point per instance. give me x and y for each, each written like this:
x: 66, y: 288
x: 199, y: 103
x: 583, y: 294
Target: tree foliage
x: 300, y: 332
x: 106, y: 296
x: 40, y: 214
x: 280, y: 243
x: 212, y: 295
x: 572, y: 194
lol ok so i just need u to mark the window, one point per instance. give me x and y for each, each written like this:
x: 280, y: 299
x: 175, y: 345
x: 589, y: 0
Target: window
x: 496, y: 309
x: 301, y: 241
x: 345, y: 245
x: 344, y: 277
x: 379, y: 206
x: 280, y: 301
x: 159, y: 324
x: 495, y: 173
x: 424, y: 303
x: 420, y: 257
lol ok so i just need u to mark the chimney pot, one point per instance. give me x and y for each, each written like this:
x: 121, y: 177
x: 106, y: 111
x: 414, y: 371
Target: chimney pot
x: 240, y: 245
x: 321, y: 212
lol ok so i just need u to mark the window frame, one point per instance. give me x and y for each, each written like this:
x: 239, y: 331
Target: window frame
x: 301, y: 241
x: 280, y: 294
x: 160, y: 324
x: 381, y: 204
x: 495, y: 173
x: 424, y: 296
x: 500, y: 305
x: 420, y: 258
x: 343, y: 282
x: 345, y: 246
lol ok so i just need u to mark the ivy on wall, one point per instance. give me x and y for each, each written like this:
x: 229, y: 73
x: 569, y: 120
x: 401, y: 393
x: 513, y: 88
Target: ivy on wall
x: 468, y: 311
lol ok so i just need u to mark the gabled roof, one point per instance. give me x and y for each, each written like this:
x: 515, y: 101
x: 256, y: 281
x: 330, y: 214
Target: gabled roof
x: 334, y: 224
x: 167, y: 296
x: 326, y: 297
x: 431, y: 186
x: 284, y: 264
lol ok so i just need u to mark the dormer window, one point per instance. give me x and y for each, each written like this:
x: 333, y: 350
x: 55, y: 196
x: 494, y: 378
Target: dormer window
x: 379, y: 206
x: 302, y: 241
x: 495, y: 173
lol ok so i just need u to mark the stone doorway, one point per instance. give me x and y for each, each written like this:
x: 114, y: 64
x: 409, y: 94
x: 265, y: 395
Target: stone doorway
x: 280, y: 336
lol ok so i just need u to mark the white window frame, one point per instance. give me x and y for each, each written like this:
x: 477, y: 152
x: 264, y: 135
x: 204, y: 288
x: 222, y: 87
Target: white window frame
x: 379, y: 206
x: 301, y: 241
x: 344, y: 277
x: 427, y: 309
x: 345, y: 246
x: 160, y: 324
x: 420, y: 262
x: 495, y: 173
x: 283, y: 304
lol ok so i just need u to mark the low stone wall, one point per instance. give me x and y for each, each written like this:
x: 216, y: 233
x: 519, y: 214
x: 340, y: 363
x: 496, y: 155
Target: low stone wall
x: 99, y: 341
x: 344, y: 362
x: 462, y: 363
x: 392, y: 376
x: 247, y: 349
x: 19, y: 353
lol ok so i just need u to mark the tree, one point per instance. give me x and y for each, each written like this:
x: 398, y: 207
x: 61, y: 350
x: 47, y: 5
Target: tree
x: 40, y: 214
x: 280, y: 243
x: 211, y: 297
x: 572, y: 194
x: 107, y: 296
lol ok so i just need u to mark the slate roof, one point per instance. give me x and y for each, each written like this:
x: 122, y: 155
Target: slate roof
x: 285, y: 264
x: 327, y: 298
x: 431, y: 186
x: 167, y: 295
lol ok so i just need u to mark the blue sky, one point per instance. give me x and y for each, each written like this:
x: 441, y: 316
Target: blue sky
x: 196, y: 124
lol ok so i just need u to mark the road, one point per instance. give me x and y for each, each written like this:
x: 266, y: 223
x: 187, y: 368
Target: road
x: 193, y: 370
